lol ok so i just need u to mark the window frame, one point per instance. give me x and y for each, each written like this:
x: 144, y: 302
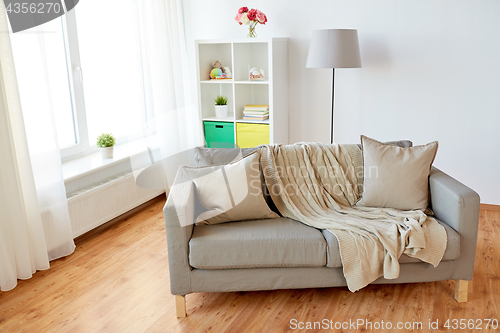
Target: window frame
x: 75, y: 74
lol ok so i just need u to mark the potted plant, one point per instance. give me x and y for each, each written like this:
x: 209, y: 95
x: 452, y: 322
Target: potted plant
x: 105, y: 142
x: 221, y: 107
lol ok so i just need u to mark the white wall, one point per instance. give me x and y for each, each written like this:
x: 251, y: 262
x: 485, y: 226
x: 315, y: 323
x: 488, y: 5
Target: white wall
x: 431, y: 71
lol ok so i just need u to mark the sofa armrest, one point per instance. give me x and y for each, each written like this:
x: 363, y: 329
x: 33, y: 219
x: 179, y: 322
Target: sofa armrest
x: 179, y: 213
x: 458, y: 206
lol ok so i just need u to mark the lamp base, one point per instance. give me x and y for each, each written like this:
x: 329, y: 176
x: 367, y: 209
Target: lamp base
x: 333, y: 103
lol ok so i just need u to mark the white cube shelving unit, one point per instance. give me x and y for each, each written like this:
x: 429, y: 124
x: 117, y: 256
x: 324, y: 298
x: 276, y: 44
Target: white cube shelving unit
x: 270, y: 54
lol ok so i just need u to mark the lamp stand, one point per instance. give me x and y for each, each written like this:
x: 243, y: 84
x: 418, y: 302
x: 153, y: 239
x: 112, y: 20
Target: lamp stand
x: 334, y: 48
x: 333, y: 102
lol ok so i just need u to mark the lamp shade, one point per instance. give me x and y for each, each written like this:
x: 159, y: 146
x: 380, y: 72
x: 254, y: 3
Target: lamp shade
x: 334, y: 48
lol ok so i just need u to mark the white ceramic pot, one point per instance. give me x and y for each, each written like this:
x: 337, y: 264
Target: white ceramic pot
x: 107, y: 152
x: 221, y: 111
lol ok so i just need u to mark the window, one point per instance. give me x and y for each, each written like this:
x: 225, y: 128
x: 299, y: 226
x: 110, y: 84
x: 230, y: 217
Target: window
x: 95, y: 74
x: 28, y: 59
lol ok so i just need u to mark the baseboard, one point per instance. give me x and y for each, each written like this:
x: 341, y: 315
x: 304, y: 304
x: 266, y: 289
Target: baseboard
x: 495, y: 208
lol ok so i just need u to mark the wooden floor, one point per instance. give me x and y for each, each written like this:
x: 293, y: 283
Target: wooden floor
x: 117, y: 281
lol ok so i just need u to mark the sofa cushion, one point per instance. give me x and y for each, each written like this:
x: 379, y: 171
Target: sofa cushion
x: 261, y: 243
x: 452, y: 251
x: 218, y: 156
x: 399, y: 143
x: 396, y: 177
x: 231, y: 192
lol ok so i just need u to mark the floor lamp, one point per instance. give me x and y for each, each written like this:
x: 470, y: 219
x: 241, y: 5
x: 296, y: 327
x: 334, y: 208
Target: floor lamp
x: 334, y: 48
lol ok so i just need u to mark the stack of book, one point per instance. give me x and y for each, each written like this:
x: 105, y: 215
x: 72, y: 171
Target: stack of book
x: 256, y: 112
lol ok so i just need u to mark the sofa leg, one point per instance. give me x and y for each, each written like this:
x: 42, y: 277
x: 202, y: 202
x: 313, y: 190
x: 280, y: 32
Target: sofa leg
x: 461, y: 290
x: 180, y: 306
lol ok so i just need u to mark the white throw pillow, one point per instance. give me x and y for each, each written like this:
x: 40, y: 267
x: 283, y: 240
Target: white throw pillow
x: 396, y: 177
x: 231, y: 192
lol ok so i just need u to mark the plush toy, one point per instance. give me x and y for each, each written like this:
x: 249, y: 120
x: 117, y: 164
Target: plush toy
x: 217, y: 71
x: 228, y: 73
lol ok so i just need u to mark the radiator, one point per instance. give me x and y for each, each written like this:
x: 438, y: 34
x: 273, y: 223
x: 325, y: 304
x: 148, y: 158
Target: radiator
x: 99, y: 203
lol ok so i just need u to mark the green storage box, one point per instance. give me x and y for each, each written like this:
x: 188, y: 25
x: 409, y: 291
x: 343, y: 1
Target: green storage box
x: 219, y: 134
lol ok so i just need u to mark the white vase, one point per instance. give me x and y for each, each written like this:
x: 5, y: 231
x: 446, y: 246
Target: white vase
x: 106, y: 152
x: 221, y: 111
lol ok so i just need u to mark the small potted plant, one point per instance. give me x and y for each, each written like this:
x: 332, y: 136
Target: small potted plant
x: 105, y: 142
x: 221, y: 107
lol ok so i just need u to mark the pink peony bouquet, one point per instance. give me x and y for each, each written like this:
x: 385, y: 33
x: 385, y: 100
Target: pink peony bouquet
x: 252, y: 16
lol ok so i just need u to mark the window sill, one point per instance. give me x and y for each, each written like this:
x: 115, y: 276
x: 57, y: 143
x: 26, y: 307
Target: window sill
x: 90, y: 169
x: 86, y: 165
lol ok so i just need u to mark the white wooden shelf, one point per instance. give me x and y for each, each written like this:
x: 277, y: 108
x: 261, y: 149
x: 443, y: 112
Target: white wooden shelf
x: 214, y: 118
x: 253, y: 121
x: 217, y: 81
x: 251, y: 82
x: 240, y: 55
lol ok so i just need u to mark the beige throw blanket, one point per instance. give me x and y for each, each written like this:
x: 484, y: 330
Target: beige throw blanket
x: 317, y: 184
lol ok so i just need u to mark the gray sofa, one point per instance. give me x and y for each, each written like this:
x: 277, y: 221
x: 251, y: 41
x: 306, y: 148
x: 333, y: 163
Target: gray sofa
x: 286, y: 254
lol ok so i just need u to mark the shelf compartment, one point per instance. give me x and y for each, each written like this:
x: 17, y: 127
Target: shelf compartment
x: 251, y: 135
x: 208, y: 94
x: 208, y: 53
x: 249, y: 94
x: 219, y: 134
x: 247, y: 55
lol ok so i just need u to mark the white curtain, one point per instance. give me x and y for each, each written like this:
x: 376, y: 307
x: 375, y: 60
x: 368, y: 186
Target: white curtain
x: 169, y: 99
x: 34, y: 219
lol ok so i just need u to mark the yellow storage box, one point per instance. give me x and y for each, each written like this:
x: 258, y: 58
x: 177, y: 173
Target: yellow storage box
x: 251, y: 135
